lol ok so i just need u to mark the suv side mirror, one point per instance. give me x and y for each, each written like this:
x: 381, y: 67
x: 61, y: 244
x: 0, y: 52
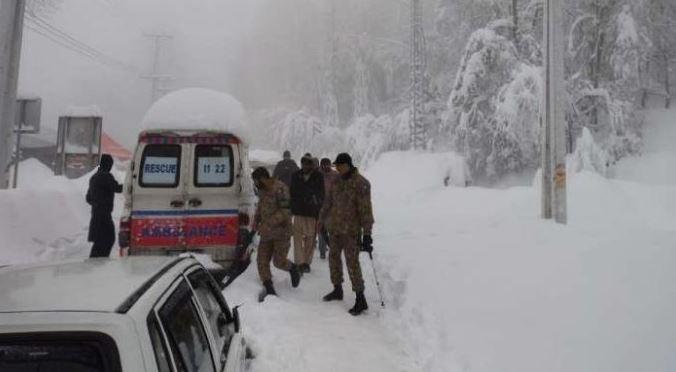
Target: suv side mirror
x: 235, y: 318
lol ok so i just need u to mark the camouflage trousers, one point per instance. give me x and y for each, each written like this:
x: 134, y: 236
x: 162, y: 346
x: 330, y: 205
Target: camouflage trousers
x: 275, y: 250
x: 350, y: 245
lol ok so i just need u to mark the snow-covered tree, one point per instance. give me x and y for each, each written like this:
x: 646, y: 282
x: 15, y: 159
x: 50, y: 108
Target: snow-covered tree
x: 489, y: 64
x: 661, y: 22
x: 361, y: 86
x: 297, y: 131
x: 516, y: 136
x: 588, y: 156
x: 607, y: 66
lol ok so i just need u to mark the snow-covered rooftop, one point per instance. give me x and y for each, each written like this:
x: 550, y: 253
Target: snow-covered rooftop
x: 83, y: 111
x: 198, y: 109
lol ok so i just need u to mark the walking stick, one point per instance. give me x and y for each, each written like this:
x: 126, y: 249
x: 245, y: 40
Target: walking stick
x: 375, y: 275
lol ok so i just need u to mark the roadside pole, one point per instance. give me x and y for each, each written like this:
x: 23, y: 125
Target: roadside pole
x: 11, y: 26
x: 554, y: 198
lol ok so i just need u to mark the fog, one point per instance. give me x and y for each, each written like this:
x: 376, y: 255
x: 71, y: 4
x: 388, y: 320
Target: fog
x: 327, y: 76
x: 206, y: 37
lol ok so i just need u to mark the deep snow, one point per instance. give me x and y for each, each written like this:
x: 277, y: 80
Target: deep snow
x: 474, y: 279
x: 197, y: 109
x: 480, y: 283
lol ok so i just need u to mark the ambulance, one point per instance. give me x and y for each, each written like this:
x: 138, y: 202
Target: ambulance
x: 189, y: 186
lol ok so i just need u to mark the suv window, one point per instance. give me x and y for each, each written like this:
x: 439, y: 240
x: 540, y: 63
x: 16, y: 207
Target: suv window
x: 160, y: 166
x: 215, y: 309
x: 159, y: 346
x: 213, y: 166
x: 59, y: 351
x: 189, y: 343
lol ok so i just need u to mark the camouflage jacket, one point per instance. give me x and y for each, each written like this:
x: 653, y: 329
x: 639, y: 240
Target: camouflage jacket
x: 273, y: 214
x: 347, y: 209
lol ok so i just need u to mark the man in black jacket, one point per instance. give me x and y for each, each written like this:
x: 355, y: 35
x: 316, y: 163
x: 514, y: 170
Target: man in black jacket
x: 101, y: 195
x: 285, y: 169
x: 307, y: 198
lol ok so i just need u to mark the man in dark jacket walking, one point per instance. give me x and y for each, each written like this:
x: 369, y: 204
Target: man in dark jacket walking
x: 101, y: 195
x: 307, y: 197
x: 285, y: 169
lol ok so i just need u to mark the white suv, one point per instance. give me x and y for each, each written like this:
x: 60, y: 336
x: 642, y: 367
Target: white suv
x: 132, y: 314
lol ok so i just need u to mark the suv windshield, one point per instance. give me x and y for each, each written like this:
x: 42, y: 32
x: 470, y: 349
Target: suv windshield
x: 58, y: 352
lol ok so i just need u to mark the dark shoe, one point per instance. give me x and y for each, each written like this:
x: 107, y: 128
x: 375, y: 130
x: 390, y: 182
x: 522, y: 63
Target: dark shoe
x: 322, y: 255
x: 294, y: 272
x: 360, y: 304
x: 269, y: 288
x: 336, y: 295
x: 304, y: 268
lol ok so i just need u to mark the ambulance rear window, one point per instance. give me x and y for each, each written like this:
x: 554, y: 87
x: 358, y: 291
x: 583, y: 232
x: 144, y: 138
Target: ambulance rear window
x: 160, y: 166
x: 213, y: 166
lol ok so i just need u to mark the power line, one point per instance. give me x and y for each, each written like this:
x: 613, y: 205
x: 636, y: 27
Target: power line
x: 47, y: 27
x: 62, y: 38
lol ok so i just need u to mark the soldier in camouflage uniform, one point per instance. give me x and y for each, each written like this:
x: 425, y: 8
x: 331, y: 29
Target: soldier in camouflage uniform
x: 348, y: 217
x: 273, y: 223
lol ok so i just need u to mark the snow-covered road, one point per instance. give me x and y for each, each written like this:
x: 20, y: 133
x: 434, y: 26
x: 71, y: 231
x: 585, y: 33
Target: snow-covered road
x: 298, y: 332
x: 474, y: 280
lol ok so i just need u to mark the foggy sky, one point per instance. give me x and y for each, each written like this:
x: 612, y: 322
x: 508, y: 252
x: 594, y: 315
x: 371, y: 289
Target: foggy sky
x: 207, y: 37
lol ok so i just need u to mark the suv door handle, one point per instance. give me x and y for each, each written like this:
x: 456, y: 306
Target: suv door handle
x: 195, y: 202
x: 177, y: 203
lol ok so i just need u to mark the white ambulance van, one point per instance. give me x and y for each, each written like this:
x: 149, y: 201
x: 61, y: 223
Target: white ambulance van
x: 189, y: 186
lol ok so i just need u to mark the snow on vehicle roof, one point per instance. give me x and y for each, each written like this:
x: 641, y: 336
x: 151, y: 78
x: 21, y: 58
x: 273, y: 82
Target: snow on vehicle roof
x: 83, y: 111
x: 197, y: 109
x: 89, y: 285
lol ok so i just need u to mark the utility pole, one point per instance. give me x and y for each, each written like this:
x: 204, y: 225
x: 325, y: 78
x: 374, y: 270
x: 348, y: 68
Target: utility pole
x: 155, y: 76
x: 330, y: 100
x: 417, y: 123
x: 554, y: 203
x: 11, y: 26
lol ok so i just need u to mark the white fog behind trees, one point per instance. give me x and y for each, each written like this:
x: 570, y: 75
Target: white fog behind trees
x: 325, y: 75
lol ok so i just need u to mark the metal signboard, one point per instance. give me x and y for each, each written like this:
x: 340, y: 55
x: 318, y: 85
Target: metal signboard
x: 78, y: 145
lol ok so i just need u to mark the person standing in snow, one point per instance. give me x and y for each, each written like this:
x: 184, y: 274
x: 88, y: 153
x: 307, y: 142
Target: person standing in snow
x: 273, y: 223
x: 330, y: 178
x: 285, y: 169
x: 101, y: 195
x: 348, y: 217
x: 307, y: 197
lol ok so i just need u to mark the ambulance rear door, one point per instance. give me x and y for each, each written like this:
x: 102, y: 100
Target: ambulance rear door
x: 212, y: 196
x: 158, y: 196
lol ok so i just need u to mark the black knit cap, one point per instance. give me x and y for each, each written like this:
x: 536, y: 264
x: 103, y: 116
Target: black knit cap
x: 260, y: 174
x: 343, y: 158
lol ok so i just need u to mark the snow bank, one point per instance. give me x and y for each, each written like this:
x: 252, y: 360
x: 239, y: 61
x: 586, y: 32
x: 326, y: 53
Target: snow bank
x: 401, y: 173
x: 46, y: 218
x: 198, y: 109
x: 475, y: 280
